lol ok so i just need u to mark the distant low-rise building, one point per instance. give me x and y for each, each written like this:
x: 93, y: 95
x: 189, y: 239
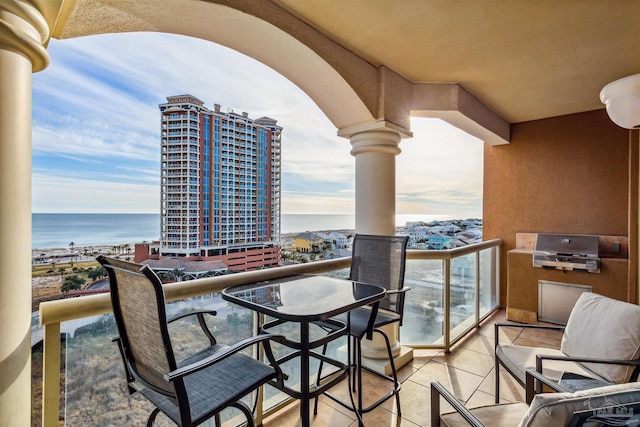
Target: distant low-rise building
x: 439, y: 242
x: 177, y: 269
x: 337, y: 239
x: 458, y: 242
x: 446, y: 228
x: 438, y: 235
x: 308, y: 242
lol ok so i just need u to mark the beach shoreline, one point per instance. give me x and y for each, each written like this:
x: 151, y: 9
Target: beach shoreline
x: 92, y: 251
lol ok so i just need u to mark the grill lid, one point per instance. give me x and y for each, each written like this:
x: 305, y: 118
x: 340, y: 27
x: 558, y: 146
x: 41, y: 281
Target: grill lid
x: 565, y: 244
x: 567, y: 252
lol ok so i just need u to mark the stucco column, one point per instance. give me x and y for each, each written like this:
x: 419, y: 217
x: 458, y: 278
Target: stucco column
x: 375, y: 153
x: 375, y: 147
x: 23, y: 31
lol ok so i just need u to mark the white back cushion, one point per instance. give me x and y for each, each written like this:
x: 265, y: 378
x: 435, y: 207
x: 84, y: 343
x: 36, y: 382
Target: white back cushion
x: 556, y: 409
x: 605, y: 328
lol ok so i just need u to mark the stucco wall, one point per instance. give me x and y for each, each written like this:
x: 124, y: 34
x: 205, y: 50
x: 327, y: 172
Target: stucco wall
x: 567, y: 174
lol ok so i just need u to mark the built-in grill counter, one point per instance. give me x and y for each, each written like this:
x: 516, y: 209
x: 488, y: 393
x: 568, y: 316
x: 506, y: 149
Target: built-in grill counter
x: 567, y: 252
x: 547, y: 272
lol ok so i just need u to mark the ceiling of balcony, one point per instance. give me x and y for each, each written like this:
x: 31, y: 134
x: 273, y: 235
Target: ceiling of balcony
x: 524, y: 59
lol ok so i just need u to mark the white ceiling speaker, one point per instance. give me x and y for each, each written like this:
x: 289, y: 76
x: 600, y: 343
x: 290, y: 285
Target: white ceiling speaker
x: 622, y: 98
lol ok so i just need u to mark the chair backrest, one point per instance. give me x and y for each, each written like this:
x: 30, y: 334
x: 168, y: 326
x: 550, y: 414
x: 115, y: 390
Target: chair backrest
x: 605, y: 328
x: 611, y: 403
x: 138, y: 304
x: 380, y: 260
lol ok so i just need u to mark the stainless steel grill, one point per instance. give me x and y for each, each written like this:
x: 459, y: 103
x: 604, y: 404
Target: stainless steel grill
x: 567, y: 252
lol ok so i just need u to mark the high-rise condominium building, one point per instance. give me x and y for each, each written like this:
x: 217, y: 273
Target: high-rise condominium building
x: 220, y: 184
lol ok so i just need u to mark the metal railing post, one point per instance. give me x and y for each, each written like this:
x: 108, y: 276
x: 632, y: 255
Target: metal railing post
x: 477, y: 310
x: 51, y: 375
x: 258, y: 320
x: 446, y: 269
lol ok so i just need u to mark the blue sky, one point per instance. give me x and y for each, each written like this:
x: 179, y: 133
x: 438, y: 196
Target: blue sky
x: 96, y: 131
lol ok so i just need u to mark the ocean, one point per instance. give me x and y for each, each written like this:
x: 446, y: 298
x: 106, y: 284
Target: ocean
x: 59, y: 229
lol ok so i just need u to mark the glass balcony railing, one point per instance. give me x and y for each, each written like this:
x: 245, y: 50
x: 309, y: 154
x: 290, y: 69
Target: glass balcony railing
x: 451, y: 292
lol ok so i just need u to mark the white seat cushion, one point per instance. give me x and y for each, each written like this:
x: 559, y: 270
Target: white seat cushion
x: 518, y: 359
x: 603, y: 328
x: 556, y: 409
x: 504, y: 415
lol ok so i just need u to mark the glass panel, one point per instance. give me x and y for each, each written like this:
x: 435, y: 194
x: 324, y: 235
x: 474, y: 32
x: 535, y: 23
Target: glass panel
x: 463, y: 294
x: 423, y: 307
x: 488, y: 280
x: 95, y: 388
x: 340, y: 274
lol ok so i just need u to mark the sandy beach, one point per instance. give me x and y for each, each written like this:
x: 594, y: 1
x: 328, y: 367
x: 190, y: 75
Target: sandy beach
x: 78, y: 251
x: 47, y: 286
x: 90, y: 252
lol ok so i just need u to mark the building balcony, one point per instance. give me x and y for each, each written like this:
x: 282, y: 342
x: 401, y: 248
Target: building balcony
x: 443, y: 312
x: 553, y: 161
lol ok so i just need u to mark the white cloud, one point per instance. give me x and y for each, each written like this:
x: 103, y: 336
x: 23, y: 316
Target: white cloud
x: 439, y: 171
x: 317, y: 203
x: 96, y: 117
x: 61, y: 194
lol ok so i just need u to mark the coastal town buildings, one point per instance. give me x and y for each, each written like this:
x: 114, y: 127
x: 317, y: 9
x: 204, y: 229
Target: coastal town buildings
x: 220, y: 187
x: 435, y: 235
x: 442, y: 235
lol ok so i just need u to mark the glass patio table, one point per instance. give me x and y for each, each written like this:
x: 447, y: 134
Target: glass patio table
x: 306, y: 299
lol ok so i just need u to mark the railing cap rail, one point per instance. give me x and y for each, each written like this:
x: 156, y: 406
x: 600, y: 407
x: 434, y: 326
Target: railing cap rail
x: 74, y: 308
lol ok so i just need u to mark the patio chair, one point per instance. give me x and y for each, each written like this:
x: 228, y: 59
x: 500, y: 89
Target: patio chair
x: 188, y: 391
x: 378, y: 260
x: 600, y: 346
x: 614, y: 405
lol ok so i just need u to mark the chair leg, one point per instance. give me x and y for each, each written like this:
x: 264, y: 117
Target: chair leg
x: 360, y: 409
x: 496, y: 335
x: 318, y: 377
x: 246, y: 411
x: 358, y: 349
x: 497, y: 388
x: 354, y: 361
x: 152, y: 417
x: 396, y: 383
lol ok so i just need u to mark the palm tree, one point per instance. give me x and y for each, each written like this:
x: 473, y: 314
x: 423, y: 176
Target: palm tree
x: 71, y: 246
x: 61, y: 270
x: 177, y: 274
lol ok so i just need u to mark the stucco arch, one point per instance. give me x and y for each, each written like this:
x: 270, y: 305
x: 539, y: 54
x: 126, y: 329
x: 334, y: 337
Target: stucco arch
x: 344, y: 86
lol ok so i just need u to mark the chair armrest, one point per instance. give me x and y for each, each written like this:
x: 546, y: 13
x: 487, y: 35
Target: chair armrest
x: 191, y: 313
x: 397, y: 291
x: 400, y: 302
x: 229, y: 351
x: 438, y: 390
x: 541, y: 357
x: 499, y: 325
x: 531, y: 376
x: 203, y: 324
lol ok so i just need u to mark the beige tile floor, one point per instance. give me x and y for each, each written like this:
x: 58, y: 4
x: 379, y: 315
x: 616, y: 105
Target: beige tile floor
x: 468, y: 371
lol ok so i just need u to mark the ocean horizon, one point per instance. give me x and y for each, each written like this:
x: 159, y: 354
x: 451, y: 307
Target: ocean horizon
x: 57, y: 230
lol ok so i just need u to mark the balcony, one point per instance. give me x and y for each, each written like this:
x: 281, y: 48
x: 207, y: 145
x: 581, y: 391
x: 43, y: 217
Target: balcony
x: 441, y: 310
x: 532, y: 121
